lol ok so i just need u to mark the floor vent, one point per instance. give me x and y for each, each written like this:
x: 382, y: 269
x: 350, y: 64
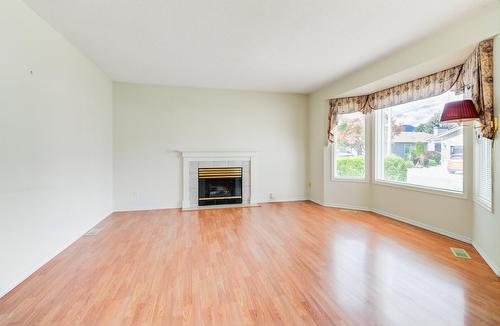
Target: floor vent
x: 94, y: 231
x: 460, y: 253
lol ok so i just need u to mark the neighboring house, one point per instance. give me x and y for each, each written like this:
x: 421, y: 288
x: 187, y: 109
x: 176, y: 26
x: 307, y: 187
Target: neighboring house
x: 448, y: 143
x: 403, y: 142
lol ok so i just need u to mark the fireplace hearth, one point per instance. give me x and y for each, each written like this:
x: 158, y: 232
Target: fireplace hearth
x: 219, y: 186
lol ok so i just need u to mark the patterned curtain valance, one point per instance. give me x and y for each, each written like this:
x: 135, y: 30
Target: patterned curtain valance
x: 344, y: 105
x: 476, y: 83
x: 418, y: 89
x: 474, y: 78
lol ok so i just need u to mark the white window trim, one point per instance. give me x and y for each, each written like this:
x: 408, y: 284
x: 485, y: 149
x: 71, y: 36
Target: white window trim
x: 414, y: 187
x: 378, y: 168
x: 333, y: 166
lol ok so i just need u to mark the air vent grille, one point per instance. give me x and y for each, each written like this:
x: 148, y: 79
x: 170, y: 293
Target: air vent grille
x: 460, y: 253
x: 217, y: 173
x: 92, y: 232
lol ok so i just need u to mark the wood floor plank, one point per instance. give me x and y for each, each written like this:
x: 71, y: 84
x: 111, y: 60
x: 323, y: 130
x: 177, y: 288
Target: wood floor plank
x: 293, y: 263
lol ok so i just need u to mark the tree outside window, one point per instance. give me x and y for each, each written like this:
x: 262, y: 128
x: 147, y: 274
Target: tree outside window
x: 349, y: 146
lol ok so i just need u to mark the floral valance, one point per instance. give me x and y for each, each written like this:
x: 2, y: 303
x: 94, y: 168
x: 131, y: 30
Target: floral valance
x: 476, y: 83
x: 474, y: 78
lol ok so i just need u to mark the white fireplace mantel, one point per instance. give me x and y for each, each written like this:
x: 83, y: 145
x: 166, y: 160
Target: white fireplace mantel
x: 201, y: 156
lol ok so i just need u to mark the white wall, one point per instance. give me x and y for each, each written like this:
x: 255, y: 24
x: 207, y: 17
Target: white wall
x: 452, y: 215
x: 487, y: 225
x: 151, y: 122
x: 55, y: 144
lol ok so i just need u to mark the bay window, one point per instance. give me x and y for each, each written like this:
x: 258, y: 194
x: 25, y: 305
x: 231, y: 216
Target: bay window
x: 413, y: 148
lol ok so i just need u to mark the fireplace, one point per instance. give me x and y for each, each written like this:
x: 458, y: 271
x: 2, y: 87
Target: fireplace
x: 218, y: 186
x: 193, y: 161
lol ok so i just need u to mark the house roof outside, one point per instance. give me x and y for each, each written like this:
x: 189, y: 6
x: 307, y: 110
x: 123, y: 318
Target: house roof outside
x: 451, y: 133
x: 412, y: 137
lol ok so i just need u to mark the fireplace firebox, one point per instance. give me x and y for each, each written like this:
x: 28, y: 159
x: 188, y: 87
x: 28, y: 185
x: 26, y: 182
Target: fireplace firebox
x: 219, y: 186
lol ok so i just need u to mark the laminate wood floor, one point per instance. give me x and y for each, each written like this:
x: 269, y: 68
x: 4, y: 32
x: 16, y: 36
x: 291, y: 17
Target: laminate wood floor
x: 294, y: 263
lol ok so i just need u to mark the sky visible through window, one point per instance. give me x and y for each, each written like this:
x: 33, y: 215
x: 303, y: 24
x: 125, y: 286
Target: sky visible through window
x: 414, y: 113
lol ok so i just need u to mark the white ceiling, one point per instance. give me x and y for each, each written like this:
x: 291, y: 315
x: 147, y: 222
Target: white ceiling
x: 439, y: 63
x: 270, y: 45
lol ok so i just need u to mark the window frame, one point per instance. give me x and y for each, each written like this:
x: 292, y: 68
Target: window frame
x: 378, y: 166
x: 486, y: 203
x: 333, y: 165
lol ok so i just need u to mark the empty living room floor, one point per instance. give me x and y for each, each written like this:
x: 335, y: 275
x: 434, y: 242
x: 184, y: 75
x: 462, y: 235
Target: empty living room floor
x: 293, y: 263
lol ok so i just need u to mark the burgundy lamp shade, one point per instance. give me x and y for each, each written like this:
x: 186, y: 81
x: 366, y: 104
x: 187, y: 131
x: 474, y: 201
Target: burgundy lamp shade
x: 459, y: 111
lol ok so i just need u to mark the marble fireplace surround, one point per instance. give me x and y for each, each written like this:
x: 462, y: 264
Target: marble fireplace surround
x: 192, y: 160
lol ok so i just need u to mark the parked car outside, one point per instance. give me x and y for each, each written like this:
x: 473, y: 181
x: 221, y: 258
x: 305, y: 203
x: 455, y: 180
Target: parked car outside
x: 455, y: 164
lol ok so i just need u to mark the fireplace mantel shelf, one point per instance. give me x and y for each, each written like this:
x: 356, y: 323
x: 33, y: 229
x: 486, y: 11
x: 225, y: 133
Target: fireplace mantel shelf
x: 216, y: 154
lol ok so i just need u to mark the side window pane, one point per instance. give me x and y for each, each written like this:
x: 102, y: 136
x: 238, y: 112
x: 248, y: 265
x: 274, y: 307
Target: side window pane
x: 416, y: 149
x: 482, y: 172
x: 349, y: 146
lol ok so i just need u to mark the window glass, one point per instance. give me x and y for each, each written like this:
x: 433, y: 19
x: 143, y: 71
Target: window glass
x: 349, y: 146
x: 414, y: 148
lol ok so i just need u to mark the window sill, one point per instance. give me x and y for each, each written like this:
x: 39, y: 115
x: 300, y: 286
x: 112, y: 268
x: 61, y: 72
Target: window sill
x: 349, y: 179
x: 484, y: 204
x: 429, y: 190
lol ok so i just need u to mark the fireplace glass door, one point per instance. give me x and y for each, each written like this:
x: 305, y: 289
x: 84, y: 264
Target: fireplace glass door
x: 218, y: 186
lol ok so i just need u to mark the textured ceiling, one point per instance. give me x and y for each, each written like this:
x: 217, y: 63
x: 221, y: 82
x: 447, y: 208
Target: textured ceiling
x: 269, y: 45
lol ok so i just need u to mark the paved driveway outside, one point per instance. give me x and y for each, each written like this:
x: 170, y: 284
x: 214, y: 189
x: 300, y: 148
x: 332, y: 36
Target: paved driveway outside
x: 437, y: 177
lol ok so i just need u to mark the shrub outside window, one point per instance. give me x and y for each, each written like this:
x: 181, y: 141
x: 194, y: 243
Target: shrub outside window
x: 349, y: 147
x: 413, y: 148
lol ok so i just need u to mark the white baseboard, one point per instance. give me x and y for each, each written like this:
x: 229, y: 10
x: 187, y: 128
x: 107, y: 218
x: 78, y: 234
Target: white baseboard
x: 424, y: 226
x: 343, y: 206
x: 145, y: 208
x: 283, y: 200
x: 402, y: 219
x: 487, y: 259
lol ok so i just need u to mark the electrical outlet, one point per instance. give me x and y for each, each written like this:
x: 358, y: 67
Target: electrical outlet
x: 271, y: 196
